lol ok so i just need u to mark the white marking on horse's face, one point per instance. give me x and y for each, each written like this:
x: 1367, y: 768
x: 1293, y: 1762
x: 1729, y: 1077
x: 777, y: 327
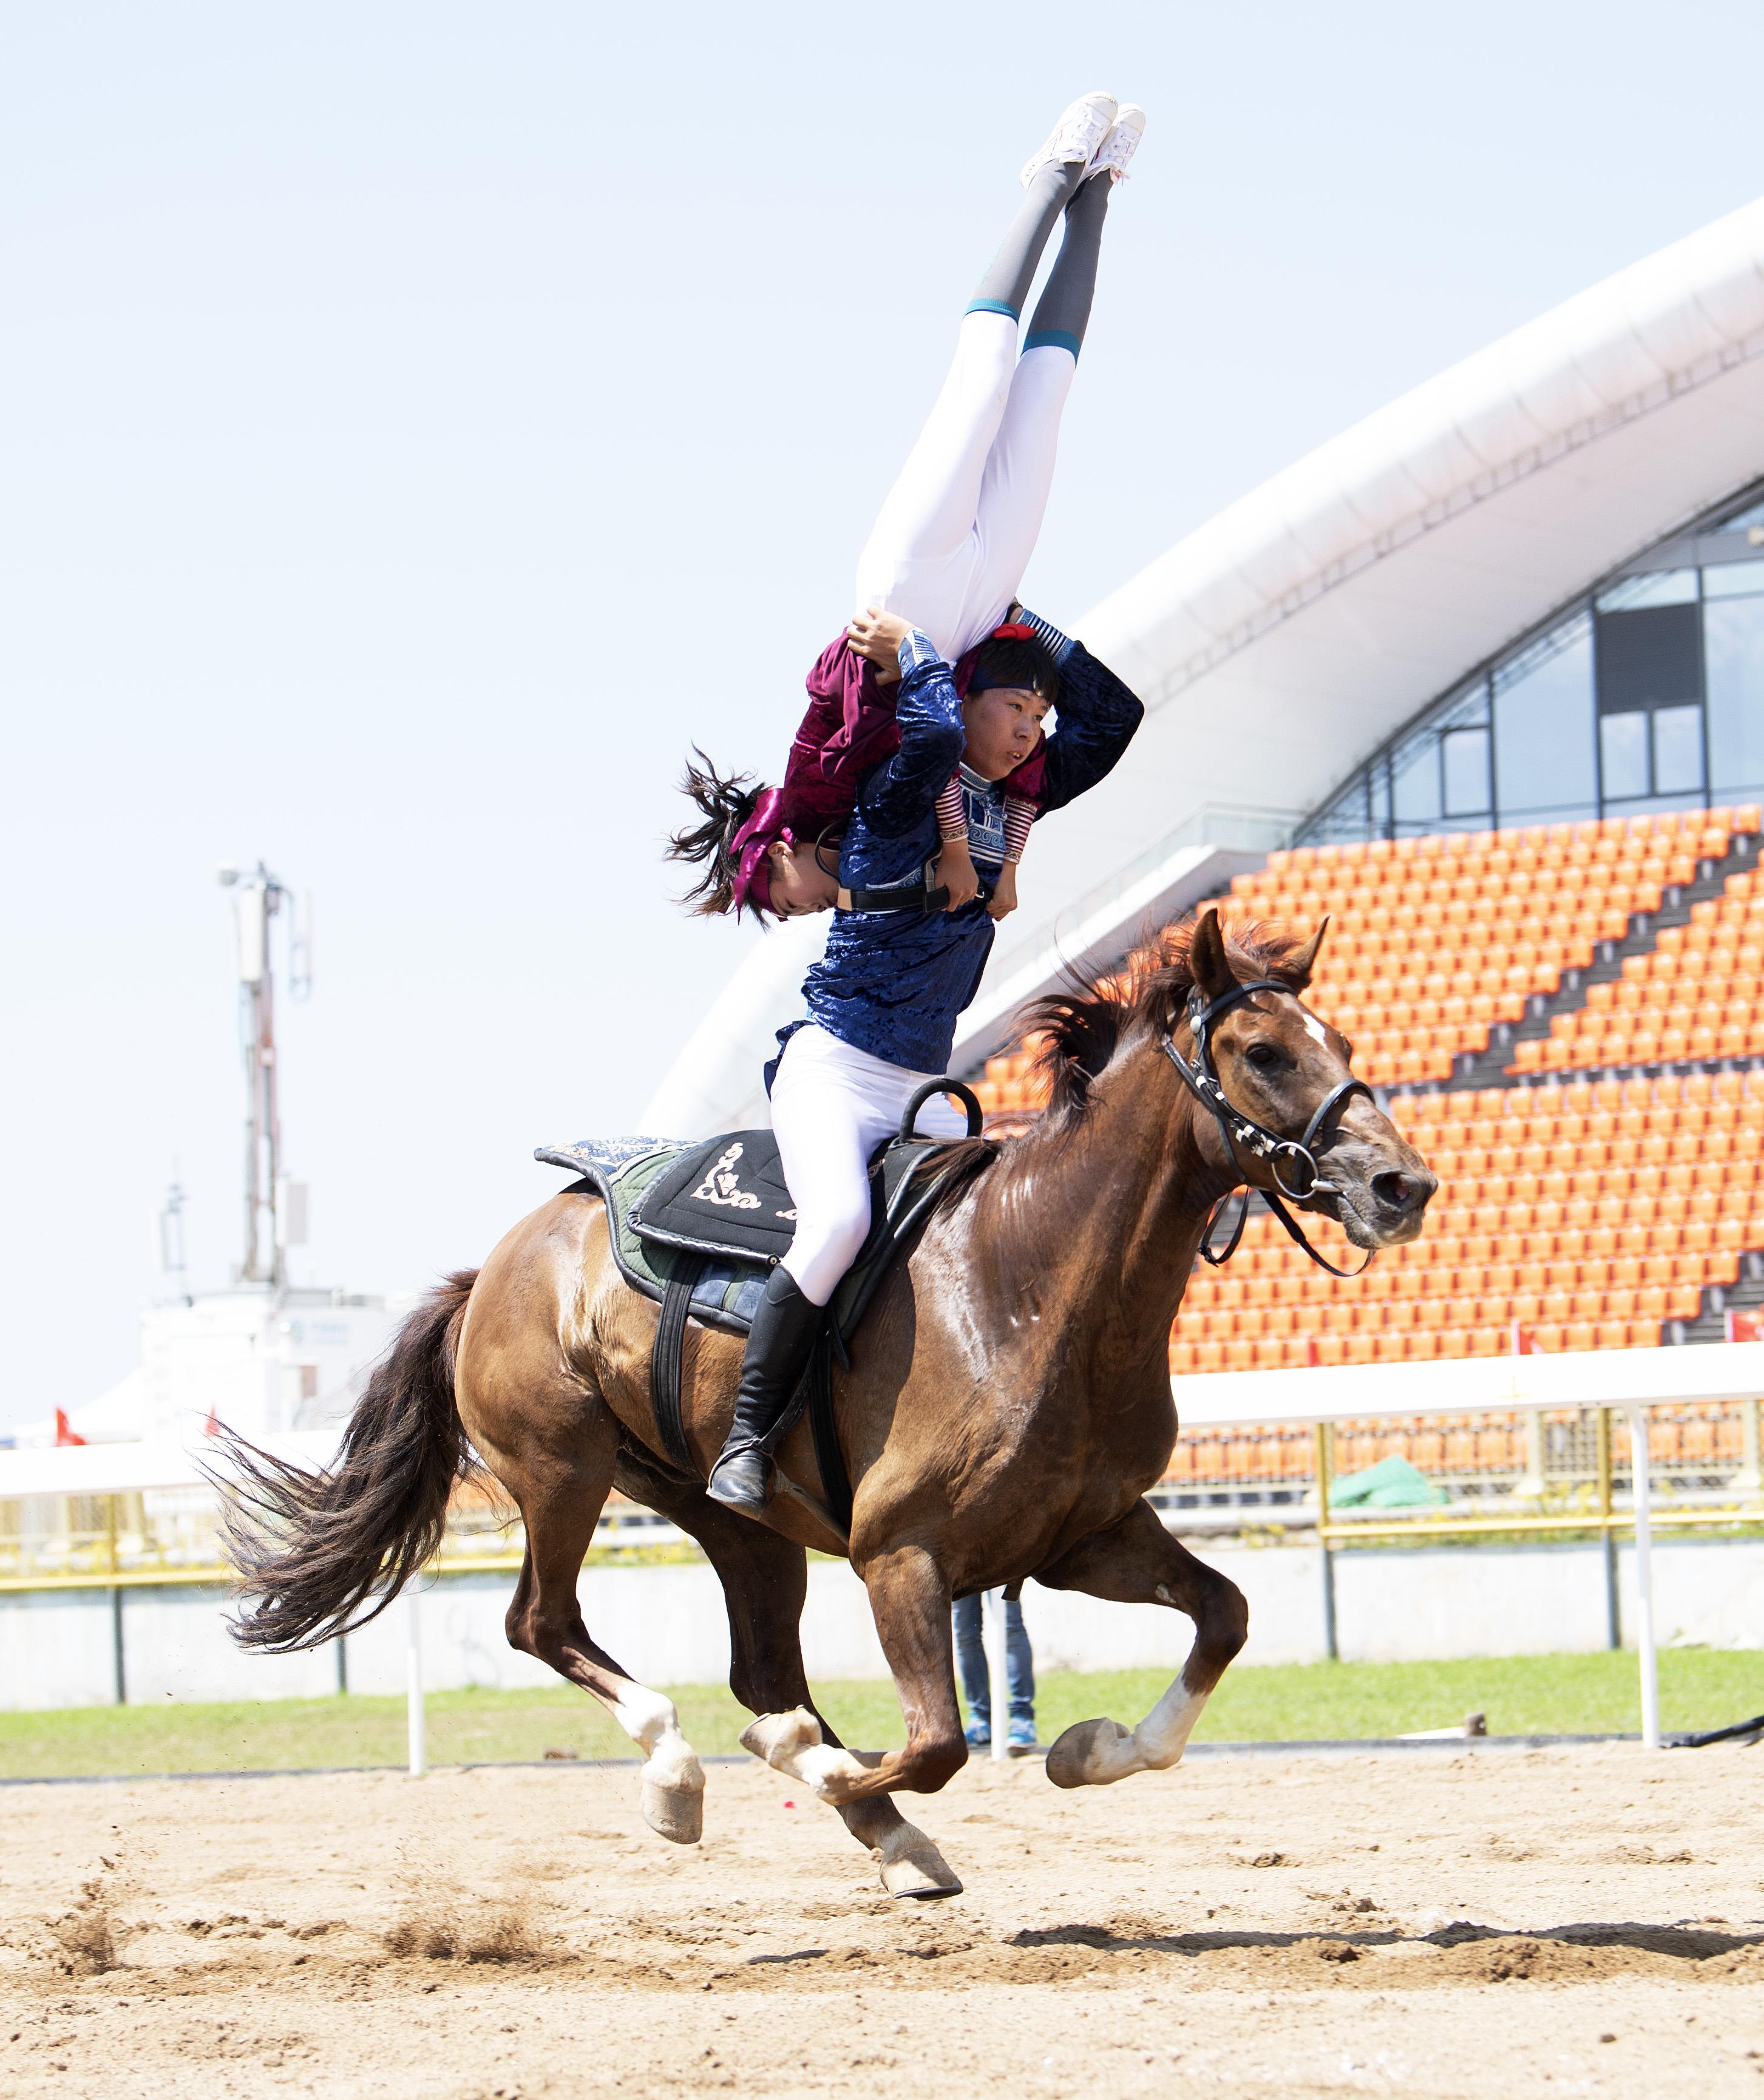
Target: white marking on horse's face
x: 1316, y: 1030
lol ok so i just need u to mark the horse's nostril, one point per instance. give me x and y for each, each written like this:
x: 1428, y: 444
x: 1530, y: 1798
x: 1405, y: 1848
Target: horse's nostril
x: 1398, y: 1191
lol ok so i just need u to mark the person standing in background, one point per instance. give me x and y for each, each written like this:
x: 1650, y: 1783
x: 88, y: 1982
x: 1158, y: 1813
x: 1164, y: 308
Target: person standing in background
x: 977, y: 1683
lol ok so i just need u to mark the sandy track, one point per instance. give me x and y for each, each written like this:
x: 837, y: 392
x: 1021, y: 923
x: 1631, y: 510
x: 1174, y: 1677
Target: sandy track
x: 1589, y: 1920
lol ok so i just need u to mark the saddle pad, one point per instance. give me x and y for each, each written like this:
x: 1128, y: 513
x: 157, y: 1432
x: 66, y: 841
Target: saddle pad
x: 726, y: 1195
x: 628, y: 1175
x: 620, y: 1171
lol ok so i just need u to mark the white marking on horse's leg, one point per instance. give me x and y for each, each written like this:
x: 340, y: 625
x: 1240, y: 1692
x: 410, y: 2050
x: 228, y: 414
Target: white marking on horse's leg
x: 1098, y: 1753
x: 791, y: 1743
x: 672, y: 1792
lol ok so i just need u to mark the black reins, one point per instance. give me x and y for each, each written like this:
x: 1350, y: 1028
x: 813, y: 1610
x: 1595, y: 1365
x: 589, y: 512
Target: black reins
x: 1303, y: 1179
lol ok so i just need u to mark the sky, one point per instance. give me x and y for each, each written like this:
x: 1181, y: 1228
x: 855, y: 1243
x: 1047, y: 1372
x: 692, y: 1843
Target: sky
x: 419, y: 424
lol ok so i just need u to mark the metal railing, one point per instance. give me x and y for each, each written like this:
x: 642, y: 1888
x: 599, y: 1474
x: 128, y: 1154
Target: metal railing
x: 1562, y: 1470
x: 166, y: 1536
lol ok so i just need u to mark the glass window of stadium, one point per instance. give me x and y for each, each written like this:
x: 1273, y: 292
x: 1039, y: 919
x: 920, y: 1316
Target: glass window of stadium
x: 1646, y: 694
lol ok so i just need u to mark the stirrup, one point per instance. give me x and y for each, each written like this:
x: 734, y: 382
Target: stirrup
x: 749, y: 1496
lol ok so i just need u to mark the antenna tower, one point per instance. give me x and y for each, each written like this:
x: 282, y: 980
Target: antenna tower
x: 258, y: 898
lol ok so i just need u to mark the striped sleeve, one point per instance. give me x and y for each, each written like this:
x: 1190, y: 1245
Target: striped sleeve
x: 1019, y: 815
x: 952, y: 809
x: 1059, y: 646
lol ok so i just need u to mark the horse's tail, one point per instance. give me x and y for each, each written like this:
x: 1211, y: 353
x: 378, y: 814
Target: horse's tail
x: 310, y: 1549
x: 725, y: 802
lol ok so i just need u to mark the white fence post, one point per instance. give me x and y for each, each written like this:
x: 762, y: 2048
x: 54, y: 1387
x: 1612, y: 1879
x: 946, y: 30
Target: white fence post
x: 1644, y: 1576
x: 997, y: 1672
x: 413, y: 1715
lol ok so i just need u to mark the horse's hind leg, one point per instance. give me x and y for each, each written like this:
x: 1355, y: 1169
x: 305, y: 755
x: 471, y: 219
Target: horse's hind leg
x: 568, y: 1450
x: 1137, y: 1562
x: 764, y: 1579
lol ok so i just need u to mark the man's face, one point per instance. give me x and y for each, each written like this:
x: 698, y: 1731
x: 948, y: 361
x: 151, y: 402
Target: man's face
x: 1001, y: 725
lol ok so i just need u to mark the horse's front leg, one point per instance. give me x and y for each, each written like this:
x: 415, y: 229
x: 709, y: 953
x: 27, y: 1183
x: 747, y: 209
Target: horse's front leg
x: 764, y: 1580
x: 1137, y: 1562
x: 910, y: 1601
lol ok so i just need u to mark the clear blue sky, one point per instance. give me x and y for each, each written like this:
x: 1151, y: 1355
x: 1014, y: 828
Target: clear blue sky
x: 419, y: 422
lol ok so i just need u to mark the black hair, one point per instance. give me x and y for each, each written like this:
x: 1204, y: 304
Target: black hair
x: 1019, y: 660
x: 726, y: 802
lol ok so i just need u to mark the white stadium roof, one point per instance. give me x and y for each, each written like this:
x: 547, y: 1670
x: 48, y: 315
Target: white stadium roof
x: 1278, y: 646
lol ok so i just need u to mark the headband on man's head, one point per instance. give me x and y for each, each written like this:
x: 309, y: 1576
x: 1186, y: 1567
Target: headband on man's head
x: 752, y: 878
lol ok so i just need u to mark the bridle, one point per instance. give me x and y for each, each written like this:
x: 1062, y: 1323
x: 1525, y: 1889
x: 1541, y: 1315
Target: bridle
x: 1302, y: 1179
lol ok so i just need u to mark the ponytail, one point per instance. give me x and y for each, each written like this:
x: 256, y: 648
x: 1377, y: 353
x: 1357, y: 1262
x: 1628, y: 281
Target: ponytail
x: 727, y: 804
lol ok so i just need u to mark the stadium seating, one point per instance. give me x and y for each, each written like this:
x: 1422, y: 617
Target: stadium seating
x: 1694, y: 996
x: 1581, y: 1214
x: 1588, y: 1214
x: 1489, y: 1450
x: 1434, y: 940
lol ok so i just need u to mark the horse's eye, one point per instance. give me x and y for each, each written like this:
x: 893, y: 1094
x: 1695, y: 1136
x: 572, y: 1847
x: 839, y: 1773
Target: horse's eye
x: 1264, y: 1057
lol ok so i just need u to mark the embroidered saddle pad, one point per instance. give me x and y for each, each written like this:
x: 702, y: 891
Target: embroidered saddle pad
x: 721, y: 1205
x: 621, y: 1171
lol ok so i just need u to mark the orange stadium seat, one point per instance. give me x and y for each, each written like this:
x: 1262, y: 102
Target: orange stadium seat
x: 1592, y: 1209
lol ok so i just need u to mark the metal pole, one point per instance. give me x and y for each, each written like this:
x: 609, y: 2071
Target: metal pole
x: 1644, y: 1578
x: 1326, y: 1456
x: 257, y: 899
x: 419, y: 1754
x: 1608, y: 1536
x: 997, y: 1671
x: 342, y: 1665
x: 118, y: 1659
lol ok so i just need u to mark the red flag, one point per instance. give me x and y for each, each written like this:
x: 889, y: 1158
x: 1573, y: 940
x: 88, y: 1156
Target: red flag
x: 1525, y: 1342
x: 1744, y: 1327
x: 65, y: 1431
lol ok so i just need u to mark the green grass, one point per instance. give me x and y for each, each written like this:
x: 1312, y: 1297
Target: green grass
x: 1521, y: 1695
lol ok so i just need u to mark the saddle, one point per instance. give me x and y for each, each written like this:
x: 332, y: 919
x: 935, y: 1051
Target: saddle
x: 699, y: 1227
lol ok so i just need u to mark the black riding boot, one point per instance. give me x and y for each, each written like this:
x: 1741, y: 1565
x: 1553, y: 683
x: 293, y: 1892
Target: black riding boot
x: 786, y: 1325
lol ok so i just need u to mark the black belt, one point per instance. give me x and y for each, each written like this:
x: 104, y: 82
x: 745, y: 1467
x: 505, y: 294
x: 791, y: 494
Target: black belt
x: 919, y: 896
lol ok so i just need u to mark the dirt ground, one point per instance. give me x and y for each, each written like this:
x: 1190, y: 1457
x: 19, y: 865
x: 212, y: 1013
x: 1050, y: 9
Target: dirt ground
x: 1487, y: 1922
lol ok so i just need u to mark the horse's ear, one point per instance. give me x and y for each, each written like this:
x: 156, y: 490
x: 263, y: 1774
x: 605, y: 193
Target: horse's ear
x: 1207, y: 956
x: 1298, y: 972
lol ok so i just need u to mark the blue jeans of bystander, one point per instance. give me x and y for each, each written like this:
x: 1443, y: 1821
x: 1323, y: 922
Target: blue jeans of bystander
x: 1019, y: 1666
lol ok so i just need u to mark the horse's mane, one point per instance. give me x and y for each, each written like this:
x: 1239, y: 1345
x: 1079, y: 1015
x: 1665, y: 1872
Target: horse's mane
x: 1082, y: 1024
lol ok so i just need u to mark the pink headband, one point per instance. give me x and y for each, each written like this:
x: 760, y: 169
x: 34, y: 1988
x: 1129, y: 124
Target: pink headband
x: 749, y: 847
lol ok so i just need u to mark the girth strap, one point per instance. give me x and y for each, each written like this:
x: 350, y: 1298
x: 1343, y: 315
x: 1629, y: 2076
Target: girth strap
x: 836, y: 1482
x: 666, y: 1361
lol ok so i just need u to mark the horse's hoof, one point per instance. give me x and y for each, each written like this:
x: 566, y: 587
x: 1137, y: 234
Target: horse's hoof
x: 1091, y: 1753
x: 912, y: 1866
x: 673, y: 1792
x: 676, y: 1813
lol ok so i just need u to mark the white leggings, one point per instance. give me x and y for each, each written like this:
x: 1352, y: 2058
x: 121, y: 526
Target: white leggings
x: 831, y: 1107
x: 955, y: 534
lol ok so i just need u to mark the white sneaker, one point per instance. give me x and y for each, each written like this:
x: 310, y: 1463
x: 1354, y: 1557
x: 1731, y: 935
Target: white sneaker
x: 1118, y: 148
x: 1079, y: 134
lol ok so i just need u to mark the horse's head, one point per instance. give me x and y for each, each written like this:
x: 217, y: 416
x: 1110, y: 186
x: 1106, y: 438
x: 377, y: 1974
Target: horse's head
x: 1286, y: 1070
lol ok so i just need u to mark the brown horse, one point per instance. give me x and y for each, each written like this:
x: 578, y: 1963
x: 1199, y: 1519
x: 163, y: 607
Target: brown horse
x: 1007, y: 1405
